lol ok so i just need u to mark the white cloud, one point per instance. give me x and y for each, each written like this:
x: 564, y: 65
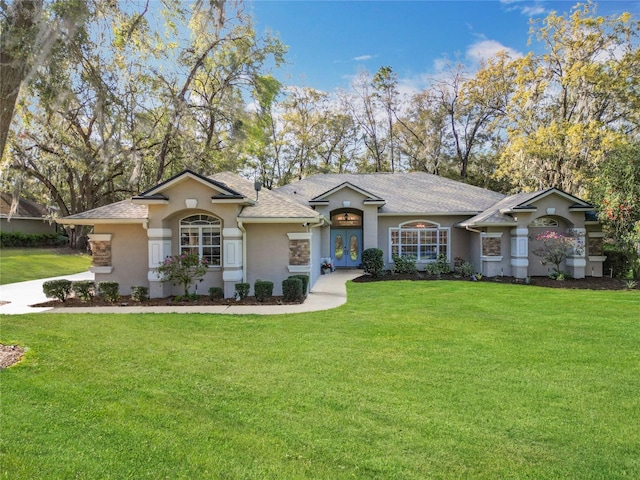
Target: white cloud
x: 363, y: 58
x: 529, y: 10
x: 484, y: 49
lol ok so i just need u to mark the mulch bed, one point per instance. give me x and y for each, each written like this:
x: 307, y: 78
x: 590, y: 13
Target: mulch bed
x: 126, y: 301
x: 588, y: 283
x: 10, y: 355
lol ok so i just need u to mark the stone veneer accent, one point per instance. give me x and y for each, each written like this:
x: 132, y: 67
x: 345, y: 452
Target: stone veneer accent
x: 596, y: 246
x: 491, y: 246
x: 101, y: 249
x: 299, y: 252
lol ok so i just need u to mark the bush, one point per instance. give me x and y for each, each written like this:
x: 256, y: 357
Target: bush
x: 463, y: 268
x: 292, y: 289
x: 305, y: 283
x: 263, y: 290
x: 183, y: 270
x: 109, y: 290
x: 216, y: 293
x: 242, y: 290
x: 18, y: 239
x: 439, y: 267
x: 620, y: 261
x: 372, y: 262
x: 404, y: 264
x: 84, y: 289
x: 139, y: 293
x: 60, y: 289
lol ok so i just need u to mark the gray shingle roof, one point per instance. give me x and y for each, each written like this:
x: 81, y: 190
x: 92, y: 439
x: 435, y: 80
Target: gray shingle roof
x: 492, y: 214
x: 415, y: 192
x: 25, y: 209
x: 269, y: 205
x: 124, y: 210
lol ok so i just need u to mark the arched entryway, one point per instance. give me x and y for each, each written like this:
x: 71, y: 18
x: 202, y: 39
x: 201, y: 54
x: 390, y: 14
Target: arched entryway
x: 346, y: 238
x: 537, y: 227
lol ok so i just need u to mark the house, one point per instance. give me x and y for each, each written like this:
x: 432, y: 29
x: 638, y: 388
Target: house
x: 248, y: 234
x: 28, y: 218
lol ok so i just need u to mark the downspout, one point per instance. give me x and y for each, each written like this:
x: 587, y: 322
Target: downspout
x: 244, y: 250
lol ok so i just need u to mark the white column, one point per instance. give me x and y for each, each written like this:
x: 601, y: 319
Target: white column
x: 232, y: 260
x: 520, y: 252
x: 576, y: 262
x: 159, y: 249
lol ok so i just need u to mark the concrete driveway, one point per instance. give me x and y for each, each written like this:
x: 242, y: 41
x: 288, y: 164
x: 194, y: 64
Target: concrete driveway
x: 330, y: 291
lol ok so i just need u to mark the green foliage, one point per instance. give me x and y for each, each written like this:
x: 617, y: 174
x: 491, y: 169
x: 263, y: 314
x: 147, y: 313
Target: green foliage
x: 83, y: 289
x: 463, y: 268
x: 372, y: 262
x: 263, y: 290
x: 183, y: 270
x: 216, y: 293
x: 621, y: 261
x: 404, y: 264
x: 109, y: 290
x: 242, y: 290
x: 439, y: 267
x: 292, y: 289
x: 22, y: 264
x: 17, y: 239
x: 305, y: 283
x: 139, y: 293
x: 60, y: 289
x: 555, y: 248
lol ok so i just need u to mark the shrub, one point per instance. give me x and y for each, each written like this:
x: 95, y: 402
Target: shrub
x: 139, y: 293
x: 183, y: 270
x: 305, y: 283
x: 216, y: 293
x: 84, y: 289
x: 109, y: 290
x: 621, y: 262
x: 404, y: 264
x: 263, y: 290
x: 372, y: 262
x: 555, y: 248
x: 463, y: 268
x: 292, y: 289
x: 60, y: 289
x: 18, y: 239
x: 242, y: 290
x: 438, y: 267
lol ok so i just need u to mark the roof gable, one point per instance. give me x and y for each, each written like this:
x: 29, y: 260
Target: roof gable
x: 577, y: 203
x: 222, y: 190
x: 370, y: 198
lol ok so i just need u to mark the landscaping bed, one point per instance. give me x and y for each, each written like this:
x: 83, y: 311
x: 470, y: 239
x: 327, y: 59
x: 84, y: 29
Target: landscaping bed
x: 588, y: 283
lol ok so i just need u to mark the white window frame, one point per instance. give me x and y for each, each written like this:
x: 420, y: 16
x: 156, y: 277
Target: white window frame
x: 434, y: 228
x: 216, y: 224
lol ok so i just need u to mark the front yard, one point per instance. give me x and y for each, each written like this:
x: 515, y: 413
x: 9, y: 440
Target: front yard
x: 22, y: 264
x: 407, y: 380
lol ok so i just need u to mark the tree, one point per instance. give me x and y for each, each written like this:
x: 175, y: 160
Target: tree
x: 385, y: 84
x: 572, y: 101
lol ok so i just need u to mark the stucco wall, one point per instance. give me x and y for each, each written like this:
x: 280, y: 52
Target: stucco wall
x: 26, y: 226
x: 129, y: 257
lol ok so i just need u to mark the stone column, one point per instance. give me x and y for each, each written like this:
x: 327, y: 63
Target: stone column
x: 520, y: 252
x: 159, y: 249
x: 491, y: 255
x: 232, y: 260
x: 299, y: 252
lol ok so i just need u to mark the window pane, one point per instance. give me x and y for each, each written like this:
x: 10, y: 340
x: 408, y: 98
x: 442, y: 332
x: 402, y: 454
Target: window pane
x: 339, y: 247
x: 353, y: 247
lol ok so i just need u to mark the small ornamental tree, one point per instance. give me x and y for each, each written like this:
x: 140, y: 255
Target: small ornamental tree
x: 555, y: 248
x: 183, y: 270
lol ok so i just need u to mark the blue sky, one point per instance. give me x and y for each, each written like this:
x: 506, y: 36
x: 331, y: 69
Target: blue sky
x: 330, y: 40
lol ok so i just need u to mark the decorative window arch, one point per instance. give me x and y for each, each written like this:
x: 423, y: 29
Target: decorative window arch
x: 423, y: 240
x: 200, y: 235
x: 544, y: 222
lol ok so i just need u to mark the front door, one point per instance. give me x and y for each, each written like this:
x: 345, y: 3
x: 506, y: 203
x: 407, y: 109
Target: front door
x: 346, y: 247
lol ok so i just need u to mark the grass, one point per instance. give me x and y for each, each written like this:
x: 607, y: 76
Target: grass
x: 408, y: 380
x: 22, y: 264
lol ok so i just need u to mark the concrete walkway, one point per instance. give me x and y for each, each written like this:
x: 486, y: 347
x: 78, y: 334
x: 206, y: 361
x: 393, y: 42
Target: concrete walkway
x: 330, y: 291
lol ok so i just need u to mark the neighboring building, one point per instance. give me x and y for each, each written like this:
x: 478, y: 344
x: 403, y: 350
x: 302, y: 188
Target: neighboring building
x: 29, y: 216
x: 268, y: 235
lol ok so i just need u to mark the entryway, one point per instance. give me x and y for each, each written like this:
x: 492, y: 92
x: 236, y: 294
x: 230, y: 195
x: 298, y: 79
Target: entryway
x: 346, y: 247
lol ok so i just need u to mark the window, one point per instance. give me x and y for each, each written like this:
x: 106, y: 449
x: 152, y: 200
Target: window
x: 200, y: 235
x: 421, y: 240
x: 544, y: 222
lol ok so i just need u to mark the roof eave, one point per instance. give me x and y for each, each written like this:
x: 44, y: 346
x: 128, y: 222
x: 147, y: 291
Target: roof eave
x: 100, y: 221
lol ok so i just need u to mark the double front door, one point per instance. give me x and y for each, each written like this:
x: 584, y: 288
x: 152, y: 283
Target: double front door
x: 346, y: 247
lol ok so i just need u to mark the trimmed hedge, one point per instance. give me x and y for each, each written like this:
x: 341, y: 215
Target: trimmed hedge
x: 216, y: 293
x: 18, y: 239
x: 109, y: 290
x: 139, y: 293
x: 404, y: 264
x: 305, y: 283
x: 60, y: 289
x: 292, y: 289
x: 84, y: 289
x: 242, y: 290
x: 263, y: 290
x: 372, y: 262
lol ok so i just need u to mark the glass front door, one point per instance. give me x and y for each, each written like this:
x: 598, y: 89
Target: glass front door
x: 346, y: 247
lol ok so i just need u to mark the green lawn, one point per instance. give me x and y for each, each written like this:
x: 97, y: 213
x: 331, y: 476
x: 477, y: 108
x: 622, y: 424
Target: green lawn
x: 408, y: 380
x: 22, y: 264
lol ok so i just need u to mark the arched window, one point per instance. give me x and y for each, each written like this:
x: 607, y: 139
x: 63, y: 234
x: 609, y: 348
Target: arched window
x: 420, y: 239
x: 200, y: 235
x: 544, y: 222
